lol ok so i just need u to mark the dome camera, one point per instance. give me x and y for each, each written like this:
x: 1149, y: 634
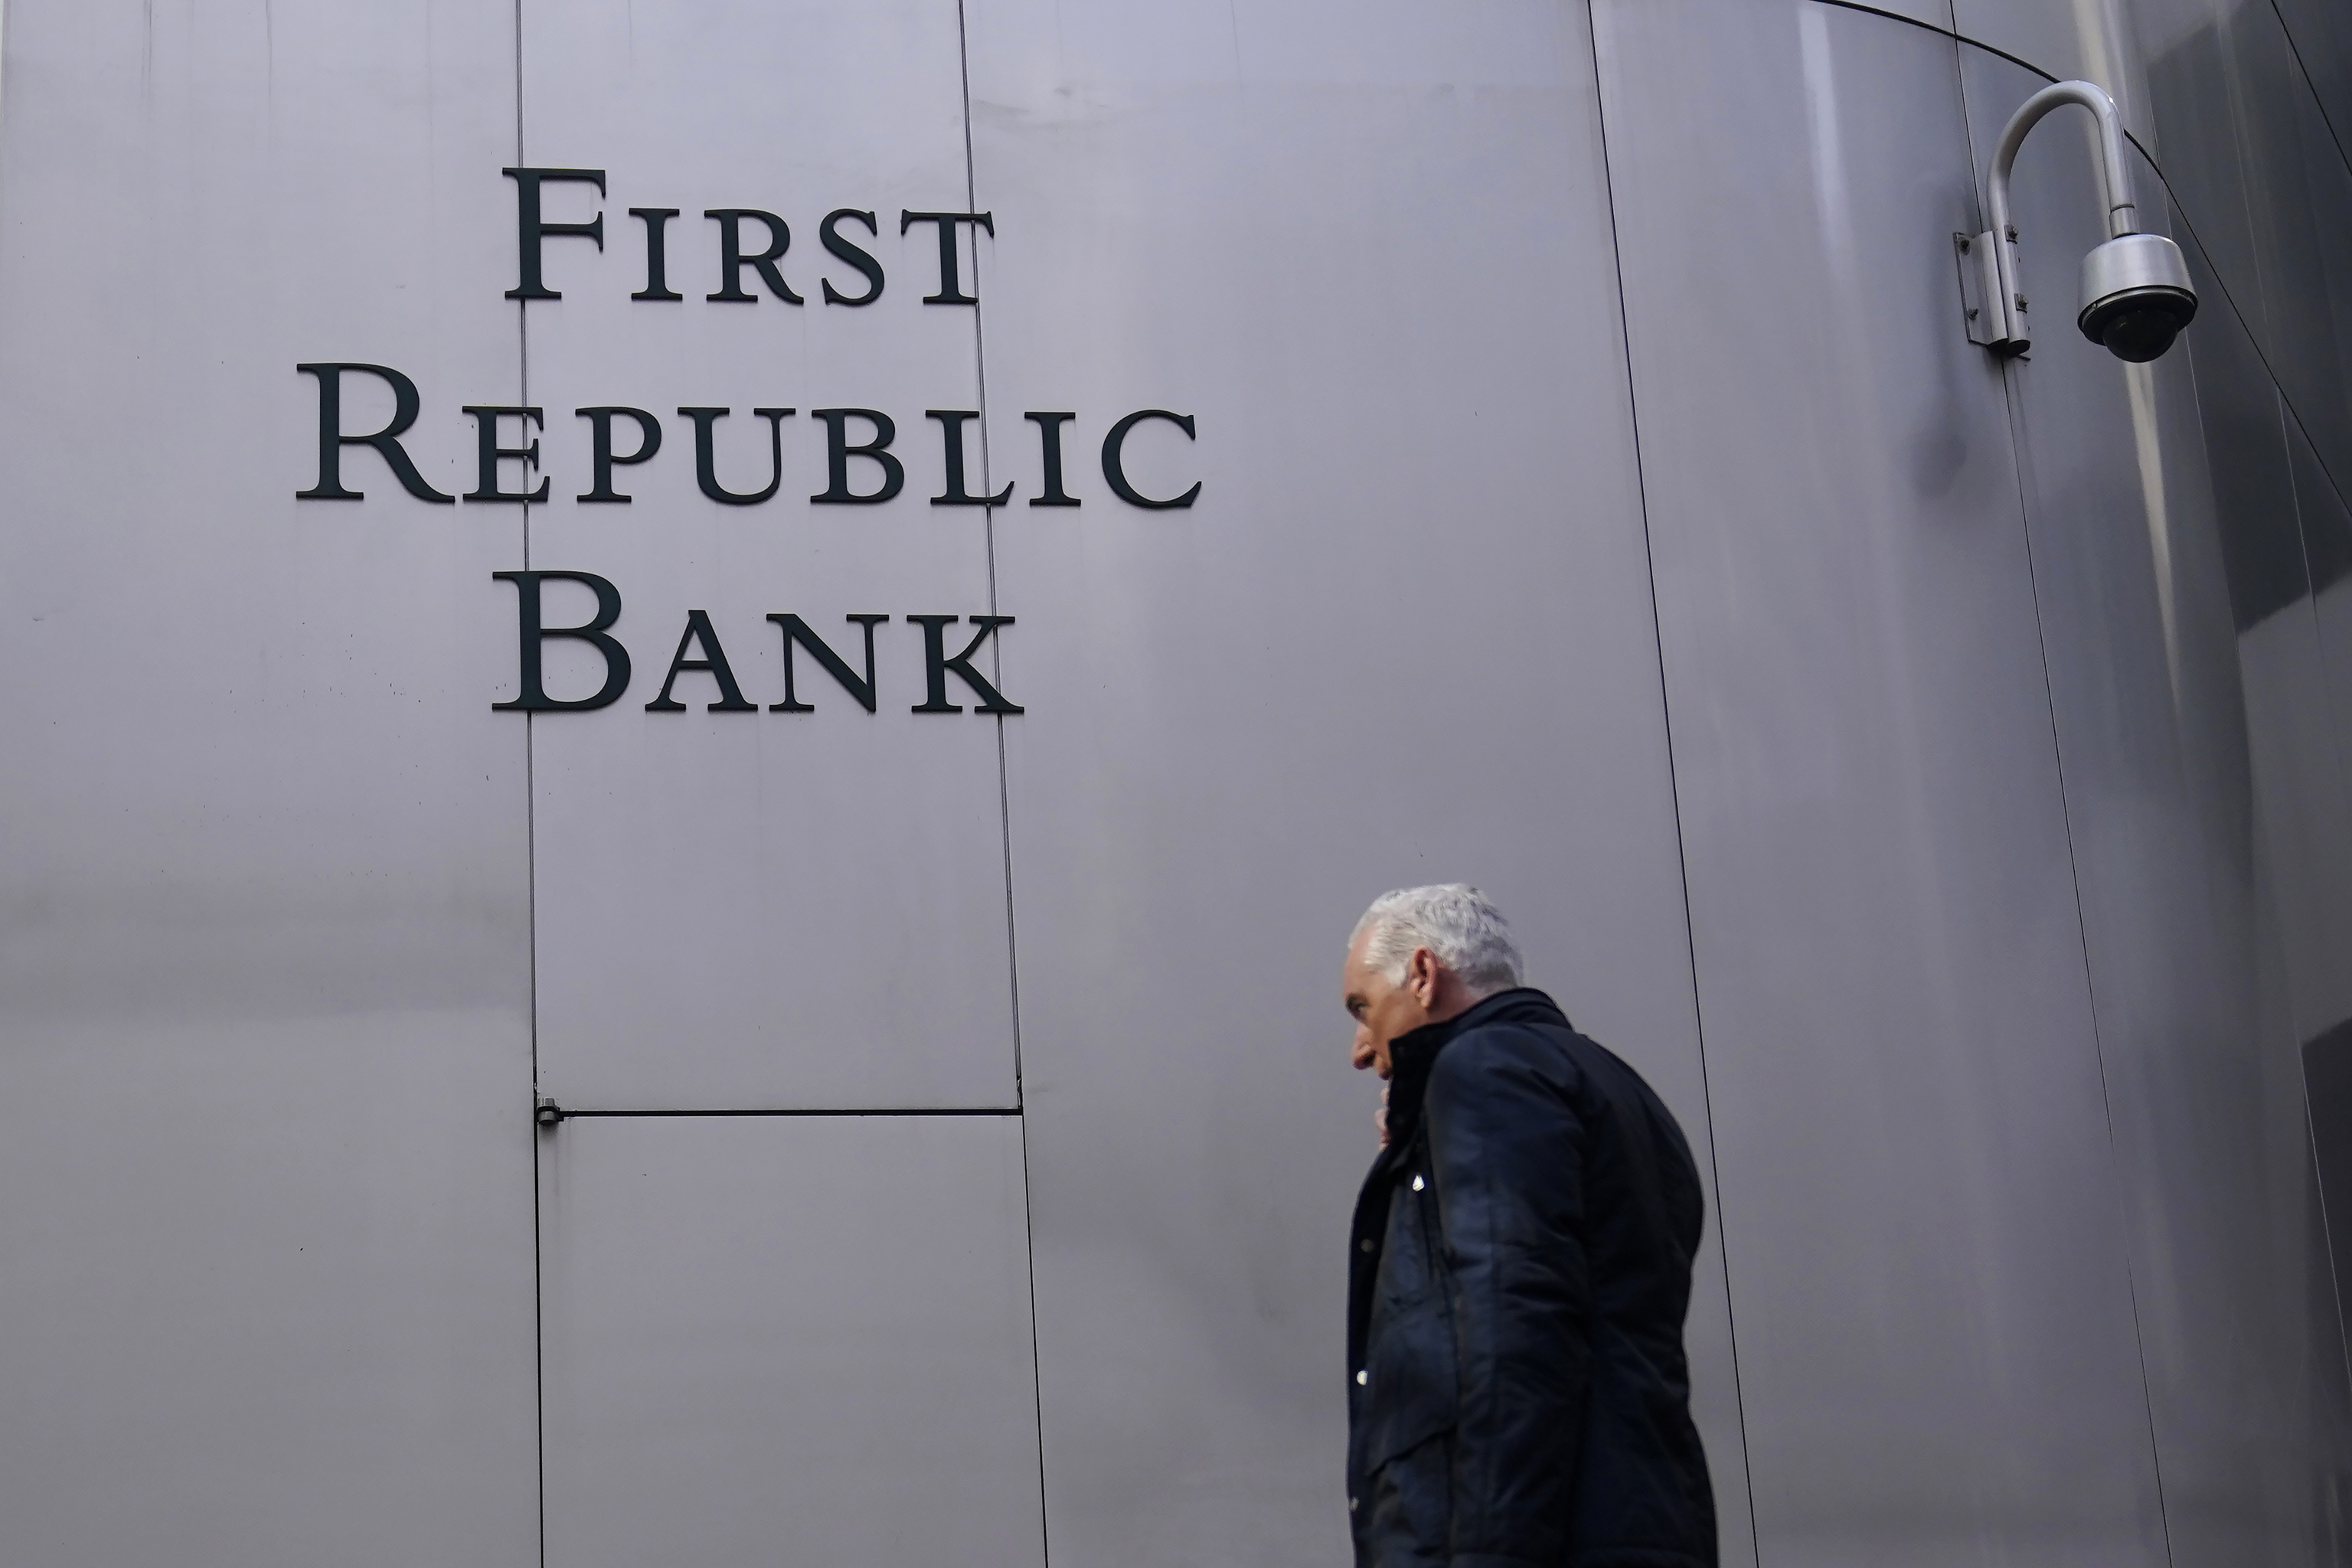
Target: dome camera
x: 2136, y: 296
x: 2136, y: 291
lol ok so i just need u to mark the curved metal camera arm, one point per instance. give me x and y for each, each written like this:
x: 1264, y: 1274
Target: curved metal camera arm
x: 2114, y: 169
x: 2135, y: 291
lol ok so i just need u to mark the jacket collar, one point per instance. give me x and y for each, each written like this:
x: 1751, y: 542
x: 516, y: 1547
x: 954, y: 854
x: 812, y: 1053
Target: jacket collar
x: 1413, y: 1053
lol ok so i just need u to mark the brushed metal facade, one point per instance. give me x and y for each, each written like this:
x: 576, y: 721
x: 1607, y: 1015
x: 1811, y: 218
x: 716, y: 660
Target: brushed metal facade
x: 265, y: 1013
x: 1407, y: 625
x: 785, y: 1337
x: 1935, y: 775
x: 749, y: 909
x: 1874, y: 827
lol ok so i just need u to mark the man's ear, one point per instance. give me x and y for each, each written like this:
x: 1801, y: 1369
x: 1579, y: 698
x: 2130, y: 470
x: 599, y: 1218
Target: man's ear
x: 1421, y: 971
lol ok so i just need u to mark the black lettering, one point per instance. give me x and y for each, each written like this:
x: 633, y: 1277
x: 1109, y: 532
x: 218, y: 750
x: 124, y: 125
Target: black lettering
x: 600, y: 424
x: 731, y: 259
x: 950, y: 288
x: 1116, y: 476
x: 530, y: 229
x: 796, y: 630
x: 657, y: 254
x: 838, y: 451
x: 951, y: 430
x: 849, y: 251
x: 1049, y: 436
x: 706, y: 469
x: 486, y: 425
x: 535, y: 633
x: 386, y: 441
x: 937, y: 665
x: 713, y: 662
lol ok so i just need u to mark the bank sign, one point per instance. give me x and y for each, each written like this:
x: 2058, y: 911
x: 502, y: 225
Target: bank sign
x: 863, y: 465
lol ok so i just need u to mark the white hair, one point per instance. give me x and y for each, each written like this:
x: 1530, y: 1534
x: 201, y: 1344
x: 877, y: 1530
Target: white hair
x: 1455, y: 921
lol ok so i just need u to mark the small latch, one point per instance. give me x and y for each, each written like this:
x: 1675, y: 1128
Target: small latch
x: 550, y: 1113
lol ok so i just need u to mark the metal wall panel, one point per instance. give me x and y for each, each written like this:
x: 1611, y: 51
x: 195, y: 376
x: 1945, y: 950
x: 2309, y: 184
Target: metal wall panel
x: 1937, y: 1355
x: 800, y: 1339
x: 2327, y: 535
x: 2302, y: 210
x: 2196, y: 738
x: 2097, y: 40
x: 263, y: 1005
x: 2193, y: 89
x: 2261, y: 177
x: 1936, y: 13
x: 762, y: 908
x: 1403, y: 634
x: 2322, y: 31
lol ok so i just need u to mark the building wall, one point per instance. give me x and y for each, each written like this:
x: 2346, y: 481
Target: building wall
x: 1932, y: 775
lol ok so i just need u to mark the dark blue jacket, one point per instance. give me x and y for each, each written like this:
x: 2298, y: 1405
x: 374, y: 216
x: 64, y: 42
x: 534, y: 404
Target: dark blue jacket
x: 1521, y: 1263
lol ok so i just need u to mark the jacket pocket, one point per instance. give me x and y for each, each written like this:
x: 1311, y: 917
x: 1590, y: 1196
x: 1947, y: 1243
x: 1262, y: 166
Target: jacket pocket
x: 1412, y: 1521
x: 1410, y: 1384
x: 1394, y: 1432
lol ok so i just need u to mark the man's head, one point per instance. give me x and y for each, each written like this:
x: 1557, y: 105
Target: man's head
x: 1420, y: 955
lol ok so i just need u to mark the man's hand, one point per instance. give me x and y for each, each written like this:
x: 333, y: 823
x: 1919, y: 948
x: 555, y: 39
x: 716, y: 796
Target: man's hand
x: 1381, y: 1117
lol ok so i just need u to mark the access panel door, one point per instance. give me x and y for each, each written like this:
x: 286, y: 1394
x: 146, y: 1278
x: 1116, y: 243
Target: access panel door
x: 788, y: 1339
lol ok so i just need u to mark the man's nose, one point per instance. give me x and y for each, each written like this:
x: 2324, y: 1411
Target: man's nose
x: 1360, y: 1054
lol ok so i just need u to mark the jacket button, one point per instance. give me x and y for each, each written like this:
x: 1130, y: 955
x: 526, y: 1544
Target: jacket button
x: 1416, y: 1183
x: 1364, y: 1376
x: 1365, y: 1245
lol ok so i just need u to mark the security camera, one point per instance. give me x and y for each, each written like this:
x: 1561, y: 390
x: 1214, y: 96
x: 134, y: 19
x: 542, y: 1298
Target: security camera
x: 2135, y: 291
x: 2136, y: 296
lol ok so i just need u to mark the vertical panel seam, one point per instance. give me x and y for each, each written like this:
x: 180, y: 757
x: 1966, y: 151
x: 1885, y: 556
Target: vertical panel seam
x: 2090, y: 982
x: 2310, y: 605
x: 1673, y: 787
x: 2010, y: 404
x: 2312, y: 87
x: 2291, y: 425
x: 988, y: 522
x: 2334, y: 1279
x: 530, y: 879
x: 1003, y: 789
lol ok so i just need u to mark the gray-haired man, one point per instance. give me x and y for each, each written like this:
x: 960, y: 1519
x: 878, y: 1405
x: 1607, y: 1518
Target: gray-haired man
x: 1521, y: 1265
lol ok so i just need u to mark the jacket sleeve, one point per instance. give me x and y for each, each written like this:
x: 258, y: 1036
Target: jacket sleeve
x: 1506, y: 1163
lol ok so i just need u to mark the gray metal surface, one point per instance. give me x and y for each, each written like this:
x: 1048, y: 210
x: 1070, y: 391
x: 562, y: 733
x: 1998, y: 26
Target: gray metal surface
x: 265, y: 1242
x: 2095, y: 40
x: 1403, y: 634
x: 761, y: 909
x: 2260, y: 176
x: 1937, y: 1354
x: 1934, y: 14
x: 2326, y: 522
x: 2321, y: 32
x: 2211, y: 851
x: 800, y: 1339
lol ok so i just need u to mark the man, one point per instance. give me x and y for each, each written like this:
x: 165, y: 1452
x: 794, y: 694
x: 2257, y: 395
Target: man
x: 1518, y: 1395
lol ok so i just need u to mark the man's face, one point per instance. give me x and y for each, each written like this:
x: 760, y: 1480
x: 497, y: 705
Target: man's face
x: 1383, y: 1008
